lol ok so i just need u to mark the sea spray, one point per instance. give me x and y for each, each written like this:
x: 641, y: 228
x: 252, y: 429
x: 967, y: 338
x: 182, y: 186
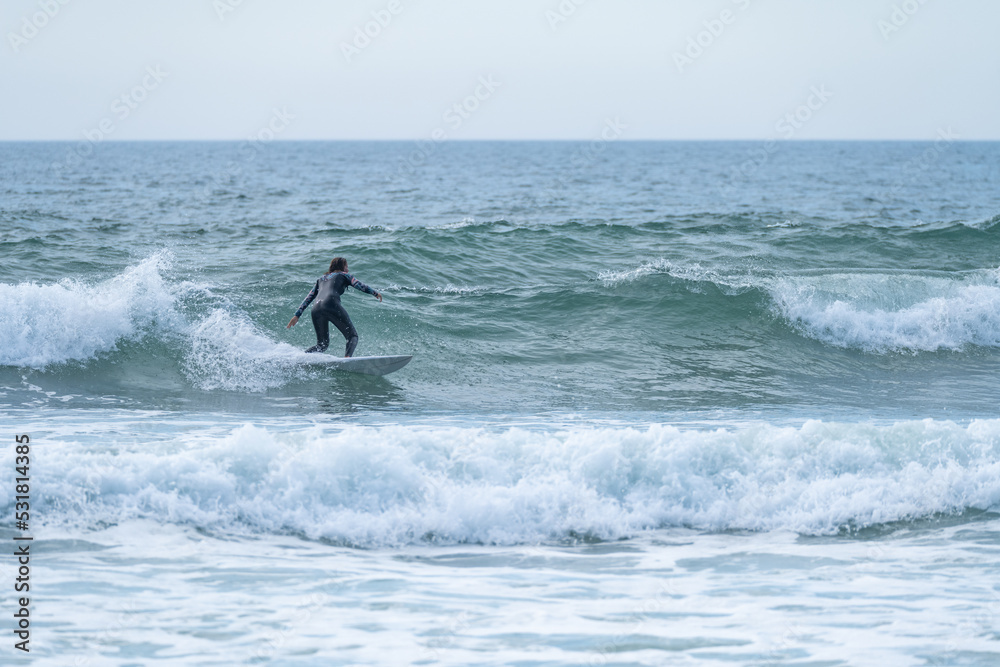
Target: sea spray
x: 75, y: 320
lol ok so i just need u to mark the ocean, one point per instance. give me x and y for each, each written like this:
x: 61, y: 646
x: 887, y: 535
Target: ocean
x: 671, y: 403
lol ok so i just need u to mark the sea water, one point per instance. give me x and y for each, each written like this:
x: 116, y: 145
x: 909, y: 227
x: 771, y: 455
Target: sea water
x: 686, y: 403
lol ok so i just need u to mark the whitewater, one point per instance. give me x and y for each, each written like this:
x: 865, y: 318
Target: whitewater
x: 655, y: 415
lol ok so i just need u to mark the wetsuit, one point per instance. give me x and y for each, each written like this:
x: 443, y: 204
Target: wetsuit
x: 327, y: 309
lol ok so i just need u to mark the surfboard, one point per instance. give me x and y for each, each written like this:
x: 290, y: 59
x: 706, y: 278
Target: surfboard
x: 366, y: 365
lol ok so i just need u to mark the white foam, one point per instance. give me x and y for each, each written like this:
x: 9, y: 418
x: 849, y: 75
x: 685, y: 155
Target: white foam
x: 395, y: 485
x: 227, y: 351
x: 875, y: 311
x: 886, y: 312
x: 72, y: 320
x: 784, y: 224
x: 459, y: 224
x: 445, y: 289
x: 694, y: 273
x: 615, y: 277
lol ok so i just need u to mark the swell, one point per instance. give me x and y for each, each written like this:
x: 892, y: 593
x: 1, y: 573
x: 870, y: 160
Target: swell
x: 875, y: 311
x: 215, y: 331
x: 769, y: 224
x: 777, y: 224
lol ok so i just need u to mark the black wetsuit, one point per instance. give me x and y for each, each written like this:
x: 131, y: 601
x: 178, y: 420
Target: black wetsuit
x: 327, y: 309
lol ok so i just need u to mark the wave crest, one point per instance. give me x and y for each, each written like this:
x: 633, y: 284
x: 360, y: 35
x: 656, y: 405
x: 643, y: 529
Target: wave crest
x: 883, y: 313
x: 73, y: 321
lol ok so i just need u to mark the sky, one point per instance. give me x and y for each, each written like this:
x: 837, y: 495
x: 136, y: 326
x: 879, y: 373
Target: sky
x: 499, y: 69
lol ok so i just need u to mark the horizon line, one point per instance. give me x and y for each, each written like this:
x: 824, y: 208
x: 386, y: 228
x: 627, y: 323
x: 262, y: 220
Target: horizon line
x: 427, y: 139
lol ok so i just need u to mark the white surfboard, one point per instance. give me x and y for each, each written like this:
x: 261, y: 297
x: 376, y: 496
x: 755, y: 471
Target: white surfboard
x: 366, y: 365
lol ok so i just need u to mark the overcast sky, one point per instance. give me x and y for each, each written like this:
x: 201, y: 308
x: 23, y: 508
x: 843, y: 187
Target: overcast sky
x: 516, y: 69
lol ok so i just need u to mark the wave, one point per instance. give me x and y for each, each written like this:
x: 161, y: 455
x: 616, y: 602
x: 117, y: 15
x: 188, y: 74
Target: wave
x: 893, y: 312
x: 140, y: 312
x: 72, y: 320
x: 765, y: 225
x: 874, y: 311
x: 768, y: 223
x: 733, y: 283
x: 215, y: 343
x: 394, y: 485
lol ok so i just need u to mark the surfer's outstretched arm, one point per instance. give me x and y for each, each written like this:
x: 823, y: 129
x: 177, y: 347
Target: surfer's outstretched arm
x: 309, y: 297
x: 358, y: 285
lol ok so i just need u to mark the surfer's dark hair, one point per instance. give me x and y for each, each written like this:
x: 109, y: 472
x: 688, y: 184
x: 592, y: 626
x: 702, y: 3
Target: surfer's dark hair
x: 338, y: 264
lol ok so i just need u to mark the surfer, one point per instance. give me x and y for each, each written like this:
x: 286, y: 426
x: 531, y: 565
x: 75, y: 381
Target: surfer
x: 328, y: 309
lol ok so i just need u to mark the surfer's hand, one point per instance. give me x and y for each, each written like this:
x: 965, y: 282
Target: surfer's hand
x: 378, y: 295
x: 292, y: 323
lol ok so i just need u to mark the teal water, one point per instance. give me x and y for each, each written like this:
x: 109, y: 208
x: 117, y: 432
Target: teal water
x: 633, y: 362
x: 644, y: 278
